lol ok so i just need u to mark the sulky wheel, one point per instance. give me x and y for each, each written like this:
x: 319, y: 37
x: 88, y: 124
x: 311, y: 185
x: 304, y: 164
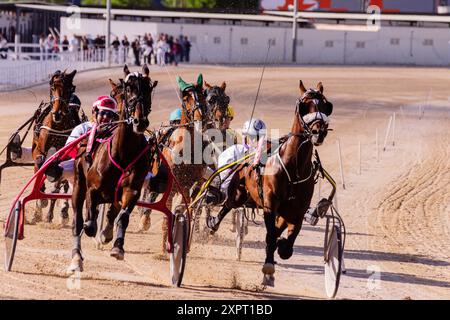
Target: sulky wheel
x: 178, y: 256
x: 11, y: 235
x: 332, y: 258
x: 240, y: 232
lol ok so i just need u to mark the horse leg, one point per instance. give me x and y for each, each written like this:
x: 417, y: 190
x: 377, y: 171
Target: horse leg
x: 65, y: 209
x: 286, y: 246
x: 213, y: 223
x: 271, y: 245
x: 78, y: 197
x: 108, y: 232
x: 90, y: 226
x: 129, y: 199
x: 56, y: 189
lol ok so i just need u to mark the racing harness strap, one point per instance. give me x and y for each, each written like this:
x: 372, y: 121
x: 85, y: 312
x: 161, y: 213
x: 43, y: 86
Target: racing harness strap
x: 127, y: 169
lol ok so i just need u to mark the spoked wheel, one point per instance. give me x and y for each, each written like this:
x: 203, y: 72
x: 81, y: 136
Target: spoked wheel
x: 100, y: 223
x: 11, y: 235
x: 240, y: 232
x: 178, y: 256
x: 332, y: 257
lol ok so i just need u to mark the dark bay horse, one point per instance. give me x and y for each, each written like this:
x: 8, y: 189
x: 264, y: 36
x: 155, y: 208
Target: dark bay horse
x: 288, y: 183
x: 118, y: 170
x: 52, y: 129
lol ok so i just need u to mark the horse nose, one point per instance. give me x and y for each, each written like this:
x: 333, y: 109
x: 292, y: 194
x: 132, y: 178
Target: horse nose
x: 135, y: 121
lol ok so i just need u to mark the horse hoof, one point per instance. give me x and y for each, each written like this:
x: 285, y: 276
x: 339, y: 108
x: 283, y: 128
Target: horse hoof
x: 64, y: 222
x: 107, y: 235
x: 145, y: 222
x: 117, y: 253
x: 268, y: 269
x: 285, y: 251
x: 76, y: 265
x: 90, y: 228
x: 268, y: 280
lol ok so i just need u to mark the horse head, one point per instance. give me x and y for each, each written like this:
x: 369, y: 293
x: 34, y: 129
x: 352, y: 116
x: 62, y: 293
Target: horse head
x: 194, y: 105
x: 218, y: 102
x: 61, y: 89
x: 313, y: 110
x: 137, y: 98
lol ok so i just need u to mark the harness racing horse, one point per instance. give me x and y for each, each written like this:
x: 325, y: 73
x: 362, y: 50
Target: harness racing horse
x: 120, y: 165
x: 288, y: 183
x: 52, y: 129
x: 185, y: 147
x: 218, y: 102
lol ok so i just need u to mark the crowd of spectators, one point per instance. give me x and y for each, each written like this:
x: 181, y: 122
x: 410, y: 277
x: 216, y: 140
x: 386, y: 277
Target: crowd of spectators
x: 164, y: 49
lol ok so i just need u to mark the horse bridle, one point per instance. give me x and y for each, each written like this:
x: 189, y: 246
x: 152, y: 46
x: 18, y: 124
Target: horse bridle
x: 198, y: 106
x: 220, y: 102
x: 53, y: 99
x: 317, y: 98
x: 131, y: 103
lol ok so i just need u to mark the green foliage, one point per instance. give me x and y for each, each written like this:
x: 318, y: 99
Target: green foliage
x: 189, y: 4
x: 119, y: 3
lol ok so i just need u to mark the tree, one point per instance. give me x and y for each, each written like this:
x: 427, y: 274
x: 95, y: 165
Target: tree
x: 189, y: 4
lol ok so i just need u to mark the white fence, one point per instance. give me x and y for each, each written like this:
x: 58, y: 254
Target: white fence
x: 323, y: 44
x: 21, y: 69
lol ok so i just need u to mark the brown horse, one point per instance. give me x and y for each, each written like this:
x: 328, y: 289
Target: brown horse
x: 52, y: 130
x: 118, y: 170
x: 184, y: 152
x: 288, y: 183
x: 218, y: 102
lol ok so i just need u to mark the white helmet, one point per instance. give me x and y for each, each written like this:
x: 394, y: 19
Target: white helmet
x: 254, y: 128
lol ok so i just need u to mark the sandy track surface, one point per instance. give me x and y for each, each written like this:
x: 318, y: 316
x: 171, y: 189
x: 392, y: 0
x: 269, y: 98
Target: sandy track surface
x: 397, y: 211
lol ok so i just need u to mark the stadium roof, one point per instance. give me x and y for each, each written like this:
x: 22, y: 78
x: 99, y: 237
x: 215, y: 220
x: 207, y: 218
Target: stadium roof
x: 363, y: 16
x: 162, y: 14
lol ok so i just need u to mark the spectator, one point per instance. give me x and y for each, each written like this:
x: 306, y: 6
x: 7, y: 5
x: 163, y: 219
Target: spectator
x: 73, y: 44
x: 126, y: 48
x: 65, y: 44
x: 187, y: 49
x: 136, y: 50
x: 161, y: 50
x: 3, y: 47
x: 42, y: 46
x: 176, y: 52
x: 49, y: 45
x: 116, y: 44
x: 169, y: 53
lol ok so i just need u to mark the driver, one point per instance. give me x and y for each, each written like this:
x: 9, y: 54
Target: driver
x: 104, y: 110
x: 254, y: 133
x: 21, y: 154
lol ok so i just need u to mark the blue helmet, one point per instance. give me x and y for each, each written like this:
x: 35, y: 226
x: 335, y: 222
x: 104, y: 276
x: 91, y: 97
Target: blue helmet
x: 175, y: 115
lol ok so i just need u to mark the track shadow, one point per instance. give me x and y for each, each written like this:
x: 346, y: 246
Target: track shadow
x: 364, y: 274
x: 374, y: 256
x: 398, y: 278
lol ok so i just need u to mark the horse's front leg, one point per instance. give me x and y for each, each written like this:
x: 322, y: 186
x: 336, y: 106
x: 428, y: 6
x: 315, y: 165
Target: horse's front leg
x: 130, y: 197
x: 270, y: 209
x: 56, y: 189
x: 286, y: 246
x: 78, y: 197
x: 90, y: 225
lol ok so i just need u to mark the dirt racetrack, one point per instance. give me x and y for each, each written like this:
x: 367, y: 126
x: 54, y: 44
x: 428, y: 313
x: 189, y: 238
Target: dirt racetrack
x: 397, y: 212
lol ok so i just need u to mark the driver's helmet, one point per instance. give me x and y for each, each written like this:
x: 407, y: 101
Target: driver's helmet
x: 255, y: 128
x: 105, y: 103
x: 175, y: 115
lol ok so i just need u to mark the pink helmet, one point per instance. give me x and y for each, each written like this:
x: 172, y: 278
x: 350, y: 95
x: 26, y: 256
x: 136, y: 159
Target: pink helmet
x: 105, y: 103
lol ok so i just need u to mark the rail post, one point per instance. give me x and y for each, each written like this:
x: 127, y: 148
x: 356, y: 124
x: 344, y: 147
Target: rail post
x: 340, y: 163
